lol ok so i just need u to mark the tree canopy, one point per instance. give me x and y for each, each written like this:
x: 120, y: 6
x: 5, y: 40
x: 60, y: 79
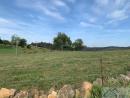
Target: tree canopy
x: 78, y: 44
x: 1, y: 42
x: 22, y: 43
x: 62, y: 41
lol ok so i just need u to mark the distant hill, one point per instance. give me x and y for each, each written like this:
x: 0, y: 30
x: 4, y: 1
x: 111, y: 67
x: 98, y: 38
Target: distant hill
x: 105, y: 48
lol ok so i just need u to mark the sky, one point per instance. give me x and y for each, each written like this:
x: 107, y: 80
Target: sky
x: 99, y: 23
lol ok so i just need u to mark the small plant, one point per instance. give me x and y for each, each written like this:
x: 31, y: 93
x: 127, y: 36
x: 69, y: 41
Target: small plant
x: 96, y: 92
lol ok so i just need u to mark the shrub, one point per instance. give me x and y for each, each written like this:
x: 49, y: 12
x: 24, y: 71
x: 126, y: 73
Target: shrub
x: 96, y: 92
x: 29, y: 46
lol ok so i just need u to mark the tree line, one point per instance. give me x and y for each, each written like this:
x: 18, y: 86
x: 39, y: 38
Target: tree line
x: 15, y: 40
x: 60, y: 42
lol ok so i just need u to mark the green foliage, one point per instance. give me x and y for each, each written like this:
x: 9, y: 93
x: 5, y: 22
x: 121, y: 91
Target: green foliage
x: 62, y: 41
x: 78, y: 44
x: 1, y: 42
x: 96, y: 92
x: 15, y: 39
x: 6, y: 42
x: 42, y: 45
x: 22, y: 43
x: 29, y: 46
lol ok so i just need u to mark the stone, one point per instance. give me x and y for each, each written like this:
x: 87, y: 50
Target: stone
x: 21, y: 94
x: 6, y: 93
x: 86, y: 89
x: 51, y: 90
x: 87, y: 85
x: 98, y: 81
x: 43, y: 96
x: 124, y: 77
x: 53, y: 95
x: 77, y: 93
x: 128, y: 74
x: 33, y: 93
x: 66, y: 92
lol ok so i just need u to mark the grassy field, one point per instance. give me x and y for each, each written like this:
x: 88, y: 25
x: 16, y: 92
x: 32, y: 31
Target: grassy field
x: 43, y: 69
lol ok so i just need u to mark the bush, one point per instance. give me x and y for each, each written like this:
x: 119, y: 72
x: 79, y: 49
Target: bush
x: 96, y: 92
x: 29, y: 46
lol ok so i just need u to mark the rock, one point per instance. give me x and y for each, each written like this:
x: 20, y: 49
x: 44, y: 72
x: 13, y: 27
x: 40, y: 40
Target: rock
x: 128, y: 74
x: 6, y: 93
x: 21, y: 94
x: 66, y: 92
x: 53, y: 95
x: 87, y: 86
x: 124, y: 78
x: 77, y: 93
x: 98, y: 82
x: 33, y: 93
x: 43, y: 96
x: 86, y: 89
x: 51, y: 90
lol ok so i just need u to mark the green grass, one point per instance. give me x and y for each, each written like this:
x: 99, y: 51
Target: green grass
x: 43, y: 69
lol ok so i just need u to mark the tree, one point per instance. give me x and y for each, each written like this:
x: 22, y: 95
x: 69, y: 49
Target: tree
x: 1, y: 42
x: 29, y: 46
x: 6, y: 42
x: 15, y: 39
x: 62, y: 41
x: 43, y: 45
x: 22, y: 43
x: 78, y: 44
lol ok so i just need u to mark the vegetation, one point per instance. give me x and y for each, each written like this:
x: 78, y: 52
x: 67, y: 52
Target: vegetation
x: 22, y: 43
x: 63, y: 42
x: 42, y: 68
x: 40, y: 65
x: 43, y: 45
x: 15, y: 40
x: 78, y: 44
x: 60, y: 42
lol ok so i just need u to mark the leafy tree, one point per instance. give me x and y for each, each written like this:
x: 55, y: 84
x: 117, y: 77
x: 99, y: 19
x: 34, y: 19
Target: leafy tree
x: 22, y: 43
x: 15, y: 39
x: 29, y: 46
x: 42, y: 45
x: 78, y: 44
x: 1, y: 42
x: 62, y: 41
x: 6, y: 42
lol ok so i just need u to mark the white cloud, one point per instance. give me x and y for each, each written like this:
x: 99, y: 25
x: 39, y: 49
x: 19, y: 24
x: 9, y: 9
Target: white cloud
x: 102, y: 3
x: 92, y: 20
x: 7, y: 26
x: 72, y: 1
x: 47, y: 7
x: 90, y: 25
x: 120, y: 3
x: 50, y: 13
x: 4, y: 21
x: 118, y: 30
x: 118, y: 15
x: 111, y: 11
x: 59, y: 3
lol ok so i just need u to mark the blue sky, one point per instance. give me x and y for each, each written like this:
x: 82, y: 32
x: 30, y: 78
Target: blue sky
x: 97, y: 22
